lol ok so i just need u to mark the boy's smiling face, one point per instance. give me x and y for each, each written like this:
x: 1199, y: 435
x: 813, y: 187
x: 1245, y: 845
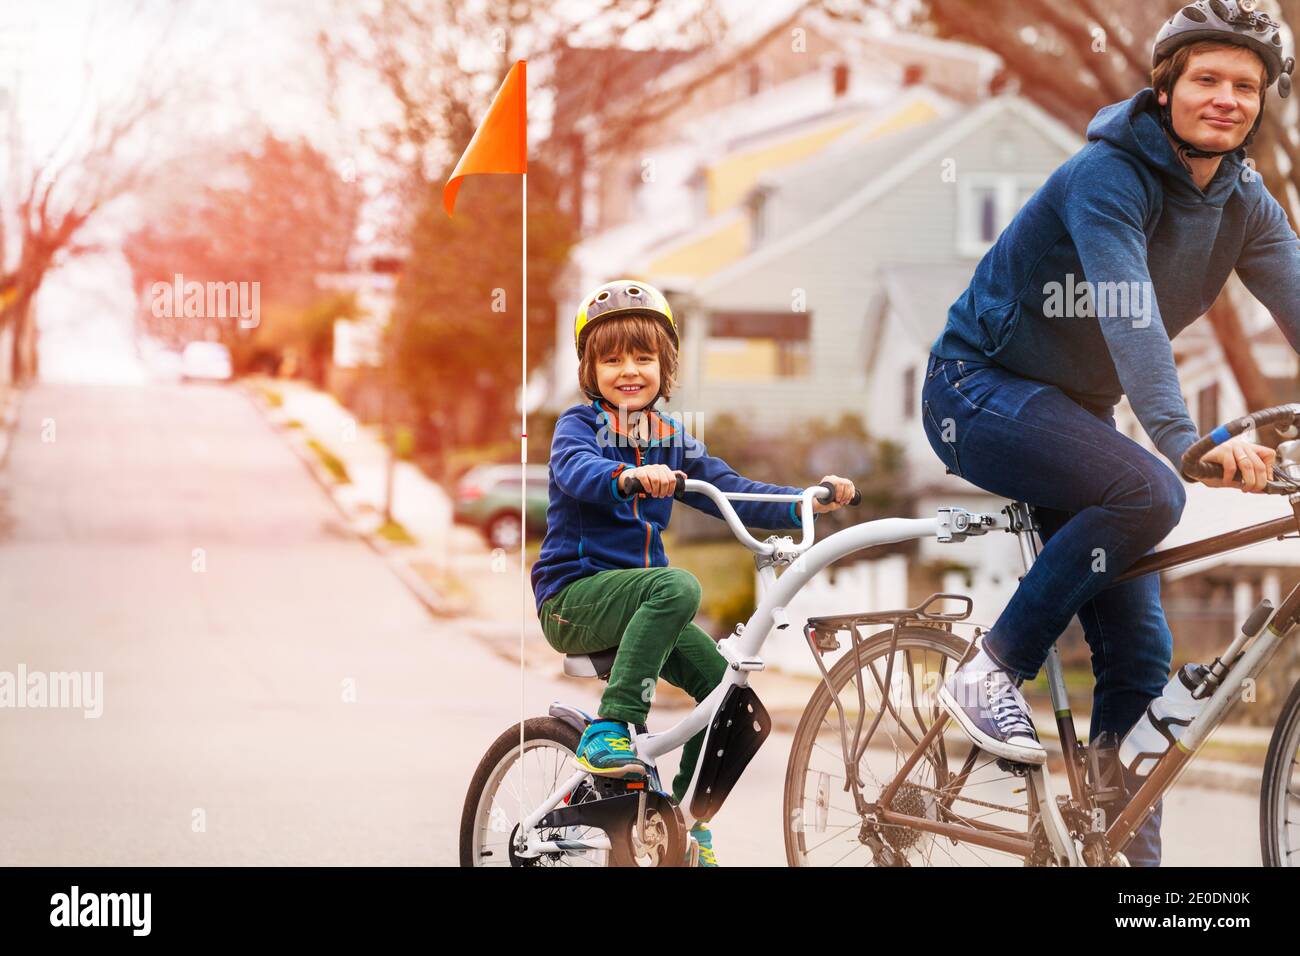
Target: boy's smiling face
x: 630, y: 379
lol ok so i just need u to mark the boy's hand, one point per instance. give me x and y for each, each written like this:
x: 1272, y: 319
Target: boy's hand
x: 844, y: 492
x: 659, y: 481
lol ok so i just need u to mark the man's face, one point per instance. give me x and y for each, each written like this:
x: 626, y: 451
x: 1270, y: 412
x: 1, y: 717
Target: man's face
x: 1217, y: 98
x: 630, y: 379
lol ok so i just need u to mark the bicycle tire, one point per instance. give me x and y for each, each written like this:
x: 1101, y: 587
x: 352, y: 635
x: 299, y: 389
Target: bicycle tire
x: 934, y: 640
x: 506, y: 746
x: 1276, y: 795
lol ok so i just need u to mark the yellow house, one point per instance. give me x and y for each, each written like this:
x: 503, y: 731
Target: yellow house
x: 733, y: 185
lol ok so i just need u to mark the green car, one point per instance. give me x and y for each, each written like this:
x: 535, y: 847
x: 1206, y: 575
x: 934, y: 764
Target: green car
x: 488, y: 499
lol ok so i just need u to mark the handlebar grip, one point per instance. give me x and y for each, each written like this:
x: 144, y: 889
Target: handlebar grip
x: 634, y: 487
x: 830, y: 489
x: 1279, y: 415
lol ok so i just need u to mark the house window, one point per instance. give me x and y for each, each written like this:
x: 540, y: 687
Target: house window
x: 1207, y: 408
x: 986, y: 204
x: 757, y: 203
x: 757, y: 346
x: 909, y: 393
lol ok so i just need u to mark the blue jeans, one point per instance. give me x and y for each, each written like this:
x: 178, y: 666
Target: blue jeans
x: 1102, y: 501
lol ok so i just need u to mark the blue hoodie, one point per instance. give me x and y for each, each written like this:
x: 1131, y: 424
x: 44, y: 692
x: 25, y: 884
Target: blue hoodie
x: 592, y: 527
x: 1124, y: 210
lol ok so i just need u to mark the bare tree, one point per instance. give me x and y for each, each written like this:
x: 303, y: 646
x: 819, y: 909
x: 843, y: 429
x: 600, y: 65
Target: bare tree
x: 51, y: 196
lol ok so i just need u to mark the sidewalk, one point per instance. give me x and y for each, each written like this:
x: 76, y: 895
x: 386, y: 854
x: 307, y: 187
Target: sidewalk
x: 448, y: 567
x: 419, y: 504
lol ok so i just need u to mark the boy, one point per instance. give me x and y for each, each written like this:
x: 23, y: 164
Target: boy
x: 602, y: 578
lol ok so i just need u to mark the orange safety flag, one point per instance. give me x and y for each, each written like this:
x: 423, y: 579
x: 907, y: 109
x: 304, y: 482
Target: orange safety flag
x: 500, y: 144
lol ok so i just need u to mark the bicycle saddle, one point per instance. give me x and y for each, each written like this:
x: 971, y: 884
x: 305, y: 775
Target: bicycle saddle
x: 595, y: 664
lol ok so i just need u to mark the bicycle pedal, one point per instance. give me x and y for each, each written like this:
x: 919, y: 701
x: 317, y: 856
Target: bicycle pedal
x: 1013, y: 767
x: 692, y: 851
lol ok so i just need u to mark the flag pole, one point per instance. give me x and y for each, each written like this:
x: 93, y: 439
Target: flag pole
x: 500, y: 145
x: 523, y: 494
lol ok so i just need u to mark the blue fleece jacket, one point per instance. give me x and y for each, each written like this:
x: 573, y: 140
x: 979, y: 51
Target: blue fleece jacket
x: 591, y: 526
x: 1048, y: 301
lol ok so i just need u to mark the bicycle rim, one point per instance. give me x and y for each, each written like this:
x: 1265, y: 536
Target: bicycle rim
x: 546, y: 764
x: 824, y: 825
x: 1280, y: 828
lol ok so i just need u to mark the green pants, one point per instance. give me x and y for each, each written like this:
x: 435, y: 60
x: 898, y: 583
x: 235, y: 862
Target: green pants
x: 649, y: 615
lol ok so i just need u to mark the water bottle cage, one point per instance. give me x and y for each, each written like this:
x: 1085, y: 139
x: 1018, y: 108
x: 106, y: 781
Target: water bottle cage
x: 1105, y: 781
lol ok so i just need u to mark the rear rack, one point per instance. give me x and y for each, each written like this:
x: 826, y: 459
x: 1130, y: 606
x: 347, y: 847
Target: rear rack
x: 821, y: 634
x: 821, y: 631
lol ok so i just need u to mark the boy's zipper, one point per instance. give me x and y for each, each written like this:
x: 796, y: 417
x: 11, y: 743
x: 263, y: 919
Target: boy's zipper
x: 637, y: 514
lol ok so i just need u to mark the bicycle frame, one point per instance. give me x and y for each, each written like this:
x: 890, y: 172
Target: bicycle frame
x: 742, y: 648
x: 1243, y: 660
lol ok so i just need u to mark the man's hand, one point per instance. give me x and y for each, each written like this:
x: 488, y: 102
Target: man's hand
x: 659, y: 481
x: 844, y: 492
x: 1254, y: 462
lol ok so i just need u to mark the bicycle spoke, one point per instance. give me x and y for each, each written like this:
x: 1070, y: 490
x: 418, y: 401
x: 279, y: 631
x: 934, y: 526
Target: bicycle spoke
x: 952, y: 781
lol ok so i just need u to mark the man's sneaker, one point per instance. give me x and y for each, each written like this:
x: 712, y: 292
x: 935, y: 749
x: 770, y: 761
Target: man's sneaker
x: 986, y: 702
x: 606, y: 749
x: 702, y: 835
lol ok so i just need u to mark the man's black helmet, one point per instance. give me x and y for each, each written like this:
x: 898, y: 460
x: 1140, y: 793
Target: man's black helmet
x: 1229, y: 21
x: 1224, y: 21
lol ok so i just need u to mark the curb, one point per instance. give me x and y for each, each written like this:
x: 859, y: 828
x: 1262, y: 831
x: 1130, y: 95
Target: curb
x: 354, y: 520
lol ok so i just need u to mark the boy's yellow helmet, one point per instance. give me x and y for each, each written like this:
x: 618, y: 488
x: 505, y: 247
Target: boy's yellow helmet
x: 623, y: 297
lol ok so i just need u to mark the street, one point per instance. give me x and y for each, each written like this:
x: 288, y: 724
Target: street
x: 272, y: 694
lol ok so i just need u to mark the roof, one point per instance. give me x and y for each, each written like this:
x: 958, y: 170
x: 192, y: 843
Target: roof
x: 920, y: 295
x: 936, y: 143
x: 809, y: 190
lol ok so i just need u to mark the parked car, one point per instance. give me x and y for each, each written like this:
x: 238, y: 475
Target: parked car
x: 208, y: 361
x: 488, y: 499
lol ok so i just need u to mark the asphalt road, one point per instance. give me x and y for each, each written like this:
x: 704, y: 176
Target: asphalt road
x: 271, y: 694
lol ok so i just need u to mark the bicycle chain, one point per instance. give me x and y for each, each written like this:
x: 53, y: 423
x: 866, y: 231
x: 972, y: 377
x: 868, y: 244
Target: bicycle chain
x: 978, y: 803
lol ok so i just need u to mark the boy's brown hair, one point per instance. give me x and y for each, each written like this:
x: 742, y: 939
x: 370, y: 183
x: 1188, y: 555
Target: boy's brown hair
x: 1171, y: 69
x: 619, y: 335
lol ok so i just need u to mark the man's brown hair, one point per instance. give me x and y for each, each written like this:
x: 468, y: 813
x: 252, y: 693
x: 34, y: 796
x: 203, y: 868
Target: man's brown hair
x: 632, y: 333
x: 1171, y: 69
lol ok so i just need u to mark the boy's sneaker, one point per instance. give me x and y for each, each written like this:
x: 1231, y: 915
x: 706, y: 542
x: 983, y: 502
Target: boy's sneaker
x: 606, y: 749
x: 702, y: 835
x: 986, y: 702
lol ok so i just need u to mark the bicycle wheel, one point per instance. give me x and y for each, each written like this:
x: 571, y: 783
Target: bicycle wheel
x: 491, y: 811
x: 955, y: 781
x: 1279, y: 793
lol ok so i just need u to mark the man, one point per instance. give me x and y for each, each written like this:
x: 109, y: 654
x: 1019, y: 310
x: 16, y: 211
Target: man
x: 1148, y: 220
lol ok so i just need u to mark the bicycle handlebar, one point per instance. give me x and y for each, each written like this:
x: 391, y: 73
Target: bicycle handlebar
x: 1193, y: 467
x: 822, y: 492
